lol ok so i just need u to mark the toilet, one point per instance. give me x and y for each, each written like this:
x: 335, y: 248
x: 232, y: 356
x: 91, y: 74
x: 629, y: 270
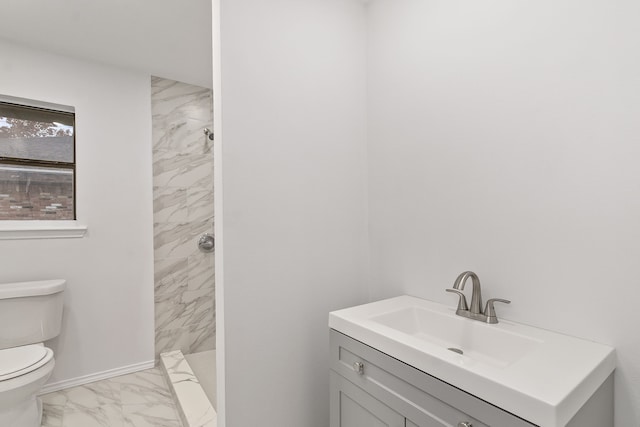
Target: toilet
x: 30, y: 313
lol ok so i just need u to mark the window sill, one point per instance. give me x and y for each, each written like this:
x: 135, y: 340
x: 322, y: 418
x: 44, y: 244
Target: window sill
x: 21, y: 230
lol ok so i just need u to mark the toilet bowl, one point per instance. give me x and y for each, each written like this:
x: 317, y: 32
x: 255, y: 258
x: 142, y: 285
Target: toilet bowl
x: 30, y: 312
x: 22, y: 375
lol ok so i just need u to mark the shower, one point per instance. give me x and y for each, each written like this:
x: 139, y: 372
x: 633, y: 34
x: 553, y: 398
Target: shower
x: 183, y: 234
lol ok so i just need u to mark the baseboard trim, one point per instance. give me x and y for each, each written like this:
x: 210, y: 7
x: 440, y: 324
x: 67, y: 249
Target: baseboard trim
x: 86, y: 379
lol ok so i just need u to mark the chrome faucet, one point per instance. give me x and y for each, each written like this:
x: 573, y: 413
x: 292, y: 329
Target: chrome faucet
x: 475, y: 312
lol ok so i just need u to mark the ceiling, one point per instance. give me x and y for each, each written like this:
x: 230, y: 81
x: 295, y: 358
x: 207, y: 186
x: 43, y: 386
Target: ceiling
x: 166, y: 38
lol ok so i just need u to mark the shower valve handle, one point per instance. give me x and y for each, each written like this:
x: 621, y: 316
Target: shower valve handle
x: 206, y: 243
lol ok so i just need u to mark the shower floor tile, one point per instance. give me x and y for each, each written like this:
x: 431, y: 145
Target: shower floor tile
x: 141, y: 399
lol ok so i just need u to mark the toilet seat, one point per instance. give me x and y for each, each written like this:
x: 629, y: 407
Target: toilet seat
x: 22, y: 360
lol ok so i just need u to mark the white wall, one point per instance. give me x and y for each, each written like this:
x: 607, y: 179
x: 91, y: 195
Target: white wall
x: 108, y: 320
x: 292, y: 141
x: 504, y: 138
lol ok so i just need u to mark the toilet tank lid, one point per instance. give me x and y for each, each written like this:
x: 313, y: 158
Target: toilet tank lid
x: 30, y: 289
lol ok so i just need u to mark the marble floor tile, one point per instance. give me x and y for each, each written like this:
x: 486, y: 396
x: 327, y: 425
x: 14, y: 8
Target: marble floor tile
x: 52, y: 415
x: 140, y: 399
x: 53, y: 405
x: 92, y: 395
x: 102, y: 416
x: 144, y: 388
x: 150, y: 415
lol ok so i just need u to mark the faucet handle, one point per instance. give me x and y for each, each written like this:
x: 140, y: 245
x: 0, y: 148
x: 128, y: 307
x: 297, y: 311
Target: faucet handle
x: 462, y: 302
x: 490, y: 311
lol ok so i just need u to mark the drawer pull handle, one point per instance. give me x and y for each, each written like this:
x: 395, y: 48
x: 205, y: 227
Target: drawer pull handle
x: 359, y: 368
x: 465, y: 424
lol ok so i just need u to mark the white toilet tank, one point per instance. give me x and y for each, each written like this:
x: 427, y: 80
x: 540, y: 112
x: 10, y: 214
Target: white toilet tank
x: 30, y: 312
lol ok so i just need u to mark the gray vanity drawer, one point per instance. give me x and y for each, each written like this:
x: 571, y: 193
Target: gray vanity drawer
x: 423, y: 399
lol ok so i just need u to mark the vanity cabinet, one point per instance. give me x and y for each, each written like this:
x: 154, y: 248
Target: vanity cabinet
x: 359, y: 409
x: 372, y: 389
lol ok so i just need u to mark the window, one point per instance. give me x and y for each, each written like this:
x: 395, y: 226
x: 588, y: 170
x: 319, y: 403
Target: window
x: 37, y: 160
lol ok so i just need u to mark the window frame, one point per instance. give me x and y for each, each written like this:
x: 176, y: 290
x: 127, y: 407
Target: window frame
x: 12, y: 229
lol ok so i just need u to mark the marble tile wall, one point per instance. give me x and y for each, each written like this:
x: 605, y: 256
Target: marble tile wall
x: 183, y: 210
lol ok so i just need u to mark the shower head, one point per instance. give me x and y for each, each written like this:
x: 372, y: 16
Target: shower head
x: 208, y: 133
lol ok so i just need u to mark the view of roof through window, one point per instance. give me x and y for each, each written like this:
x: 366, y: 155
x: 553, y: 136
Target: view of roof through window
x: 37, y: 163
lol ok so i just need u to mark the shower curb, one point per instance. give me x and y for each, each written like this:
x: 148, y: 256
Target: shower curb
x: 194, y: 407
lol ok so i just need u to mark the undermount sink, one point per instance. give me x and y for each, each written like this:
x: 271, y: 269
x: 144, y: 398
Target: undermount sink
x: 479, y: 342
x: 540, y: 375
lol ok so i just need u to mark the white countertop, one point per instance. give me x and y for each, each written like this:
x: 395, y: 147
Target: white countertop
x: 545, y: 383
